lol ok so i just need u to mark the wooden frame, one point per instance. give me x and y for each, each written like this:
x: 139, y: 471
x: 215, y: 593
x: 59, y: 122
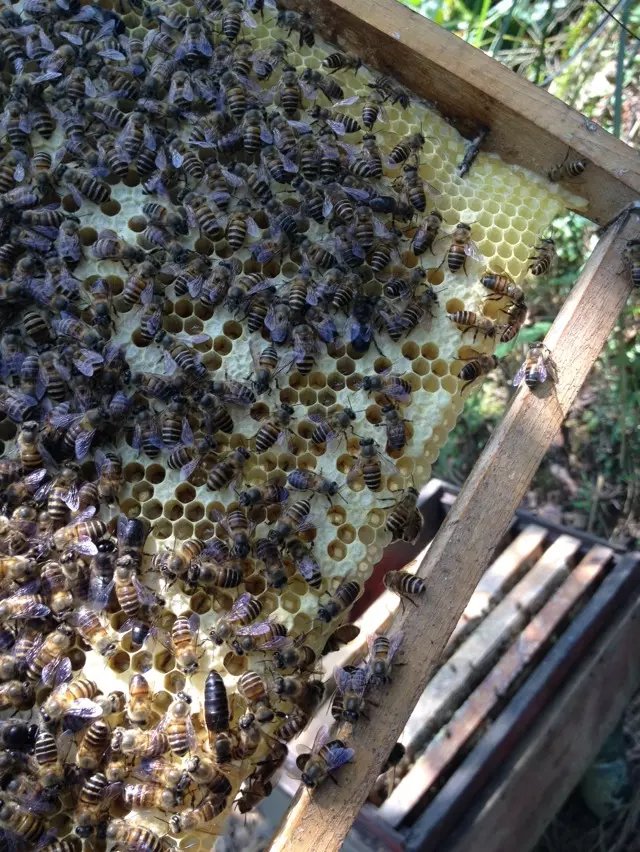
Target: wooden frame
x: 531, y: 128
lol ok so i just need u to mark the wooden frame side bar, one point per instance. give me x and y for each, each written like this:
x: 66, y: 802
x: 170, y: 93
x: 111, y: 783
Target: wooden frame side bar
x: 528, y: 126
x: 466, y: 541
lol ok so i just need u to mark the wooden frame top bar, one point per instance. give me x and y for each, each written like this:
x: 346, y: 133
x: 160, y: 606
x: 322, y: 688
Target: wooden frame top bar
x: 529, y: 126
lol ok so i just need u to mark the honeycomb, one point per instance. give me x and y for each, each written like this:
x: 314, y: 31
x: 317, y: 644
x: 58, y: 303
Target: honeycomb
x: 508, y: 208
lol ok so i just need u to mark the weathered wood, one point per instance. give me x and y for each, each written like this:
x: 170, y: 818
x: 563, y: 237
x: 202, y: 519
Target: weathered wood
x: 529, y: 126
x: 477, y: 710
x: 462, y: 794
x: 555, y: 758
x: 466, y: 541
x: 507, y: 569
x: 456, y: 679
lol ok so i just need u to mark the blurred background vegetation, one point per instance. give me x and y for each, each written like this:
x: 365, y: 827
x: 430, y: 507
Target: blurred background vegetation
x: 584, y: 56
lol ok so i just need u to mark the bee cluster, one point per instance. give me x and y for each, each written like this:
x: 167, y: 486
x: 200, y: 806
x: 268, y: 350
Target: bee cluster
x: 230, y: 351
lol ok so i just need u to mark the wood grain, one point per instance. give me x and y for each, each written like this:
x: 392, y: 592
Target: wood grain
x: 529, y: 126
x: 465, y: 543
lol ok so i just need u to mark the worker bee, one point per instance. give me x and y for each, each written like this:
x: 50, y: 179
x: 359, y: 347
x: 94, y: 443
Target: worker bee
x: 269, y: 494
x: 22, y: 823
x: 502, y: 286
x: 340, y: 123
x: 47, y: 660
x: 382, y: 650
x: 136, y: 838
x: 404, y: 521
x: 537, y: 367
x: 348, y: 702
x: 516, y: 315
x: 461, y: 247
x: 407, y: 146
x: 184, y: 643
x: 239, y: 529
x: 314, y: 81
x: 395, y: 428
x: 259, y: 636
x: 206, y: 811
x: 426, y: 234
x: 72, y: 702
x: 390, y: 384
x: 253, y: 689
x: 178, y: 727
x: 274, y: 429
x: 82, y: 184
x: 631, y: 255
x: 542, y: 262
x: 301, y: 23
x: 245, y: 609
x: 308, y: 480
x: 328, y: 429
x: 268, y: 553
x: 132, y: 535
x: 94, y: 800
x: 88, y: 624
x: 567, y: 169
x: 293, y: 519
x: 404, y: 584
x: 139, y: 709
x: 471, y: 320
x: 94, y: 745
x: 479, y: 365
x: 233, y: 392
x: 16, y: 695
x: 110, y: 475
x: 140, y: 744
x: 325, y: 757
x: 341, y: 61
x: 370, y: 464
x: 343, y: 597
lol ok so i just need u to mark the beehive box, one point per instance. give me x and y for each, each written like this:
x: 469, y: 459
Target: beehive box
x: 509, y: 209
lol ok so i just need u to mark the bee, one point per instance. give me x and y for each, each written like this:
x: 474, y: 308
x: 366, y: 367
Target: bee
x: 48, y: 661
x: 274, y: 429
x: 300, y: 23
x: 382, y: 650
x: 395, y: 428
x: 479, y: 365
x: 139, y: 709
x: 178, y: 727
x: 259, y: 636
x: 542, y: 262
x: 631, y: 255
x: 183, y: 356
x: 348, y: 702
x: 390, y: 384
x: 93, y: 747
x: 328, y: 429
x: 110, y: 475
x: 23, y: 604
x: 192, y: 819
x: 317, y: 81
x: 246, y: 608
x: 253, y: 791
x: 502, y: 286
x: 254, y: 691
x: 304, y: 561
x: 413, y: 186
x: 27, y: 826
x: 140, y: 744
x: 411, y: 144
x: 391, y: 90
x: 239, y: 224
x: 184, y: 643
x: 341, y: 600
x: 470, y: 320
x: 461, y: 247
x: 16, y: 695
x: 139, y: 286
x: 404, y: 584
x: 325, y: 757
x: 72, y: 701
x: 132, y: 535
x: 294, y: 655
x: 341, y: 61
x: 227, y: 471
x: 567, y: 169
x: 135, y: 838
x: 305, y: 348
x: 516, y: 315
x: 93, y: 802
x: 216, y: 705
x: 307, y: 480
x: 538, y: 366
x: 340, y: 123
x: 268, y: 553
x: 82, y: 184
x: 233, y: 392
x: 147, y: 795
x: 370, y: 464
x: 404, y: 521
x: 293, y: 519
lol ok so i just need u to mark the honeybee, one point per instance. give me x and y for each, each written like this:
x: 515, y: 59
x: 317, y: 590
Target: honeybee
x: 404, y: 584
x: 268, y: 553
x: 245, y: 609
x: 16, y: 695
x: 94, y: 745
x: 502, y: 286
x: 471, y: 320
x: 542, y: 262
x: 370, y: 464
x: 479, y: 365
x: 567, y: 169
x: 304, y: 561
x: 343, y: 597
x: 254, y: 691
x: 325, y: 757
x: 135, y: 838
x: 340, y: 123
x: 178, y: 727
x: 205, y: 812
x: 341, y: 61
x: 72, y: 701
x: 228, y: 470
x: 382, y: 650
x: 140, y: 744
x: 48, y: 661
x: 27, y: 826
x: 516, y: 315
x: 184, y: 643
x: 411, y: 144
x: 274, y: 429
x: 461, y: 247
x: 308, y: 480
x: 110, y: 475
x: 390, y: 384
x: 301, y: 23
x: 272, y: 493
x: 259, y: 636
x: 538, y: 366
x: 348, y: 702
x: 404, y: 521
x: 139, y: 709
x: 94, y: 800
x: 631, y: 255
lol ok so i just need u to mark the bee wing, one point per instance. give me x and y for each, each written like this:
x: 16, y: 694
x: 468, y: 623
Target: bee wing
x: 395, y: 641
x: 83, y: 443
x: 322, y: 736
x: 145, y: 596
x: 258, y: 628
x: 519, y: 376
x: 471, y: 250
x: 187, y: 469
x: 57, y: 671
x: 71, y: 498
x: 80, y: 712
x: 84, y: 546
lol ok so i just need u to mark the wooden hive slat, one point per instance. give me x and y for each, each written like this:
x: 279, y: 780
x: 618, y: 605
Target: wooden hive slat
x: 476, y: 711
